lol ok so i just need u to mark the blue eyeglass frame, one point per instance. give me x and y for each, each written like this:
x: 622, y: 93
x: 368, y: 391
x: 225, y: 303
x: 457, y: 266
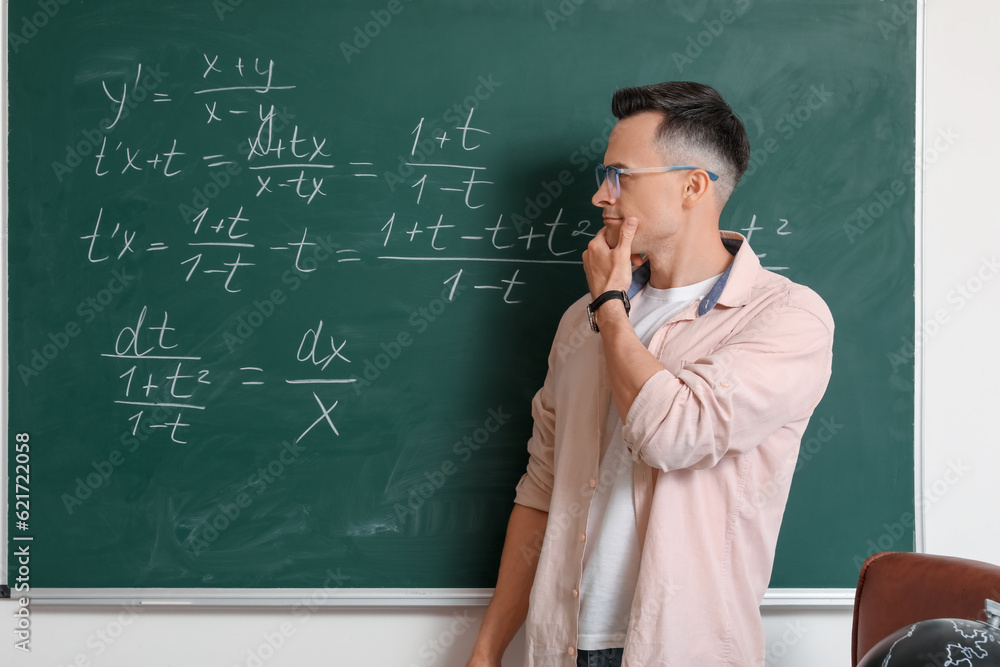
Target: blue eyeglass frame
x: 605, y: 173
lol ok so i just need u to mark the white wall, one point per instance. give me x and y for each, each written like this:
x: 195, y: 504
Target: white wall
x: 961, y: 452
x: 962, y: 246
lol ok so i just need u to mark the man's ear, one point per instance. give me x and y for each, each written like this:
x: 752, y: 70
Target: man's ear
x: 696, y: 186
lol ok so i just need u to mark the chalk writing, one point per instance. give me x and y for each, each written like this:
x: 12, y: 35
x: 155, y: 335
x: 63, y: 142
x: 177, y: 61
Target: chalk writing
x: 445, y: 214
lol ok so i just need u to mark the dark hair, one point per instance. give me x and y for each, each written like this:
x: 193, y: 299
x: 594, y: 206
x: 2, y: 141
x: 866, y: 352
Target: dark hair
x: 695, y: 118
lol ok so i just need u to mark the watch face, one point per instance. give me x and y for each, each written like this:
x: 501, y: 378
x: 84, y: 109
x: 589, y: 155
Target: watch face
x: 593, y: 322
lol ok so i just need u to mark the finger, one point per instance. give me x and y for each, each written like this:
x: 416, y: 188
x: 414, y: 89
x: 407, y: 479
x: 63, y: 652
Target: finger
x: 626, y: 235
x: 637, y: 260
x: 600, y: 239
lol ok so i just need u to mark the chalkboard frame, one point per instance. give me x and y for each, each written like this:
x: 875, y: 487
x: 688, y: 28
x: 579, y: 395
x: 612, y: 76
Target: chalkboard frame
x: 408, y: 597
x: 774, y: 598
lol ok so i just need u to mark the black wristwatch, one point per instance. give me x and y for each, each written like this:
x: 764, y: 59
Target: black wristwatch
x: 601, y: 300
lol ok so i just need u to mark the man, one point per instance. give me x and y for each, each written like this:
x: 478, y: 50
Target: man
x: 668, y: 426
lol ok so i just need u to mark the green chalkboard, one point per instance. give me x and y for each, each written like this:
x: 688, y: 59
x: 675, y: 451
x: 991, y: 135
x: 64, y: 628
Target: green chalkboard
x: 282, y: 277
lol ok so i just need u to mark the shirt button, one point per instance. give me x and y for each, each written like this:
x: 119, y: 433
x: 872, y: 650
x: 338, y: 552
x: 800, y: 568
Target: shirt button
x: 583, y: 537
x: 593, y: 483
x: 571, y: 650
x: 724, y: 384
x: 576, y: 593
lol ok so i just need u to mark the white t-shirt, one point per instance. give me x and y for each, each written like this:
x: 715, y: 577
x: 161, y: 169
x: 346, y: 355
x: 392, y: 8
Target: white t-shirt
x: 611, y: 557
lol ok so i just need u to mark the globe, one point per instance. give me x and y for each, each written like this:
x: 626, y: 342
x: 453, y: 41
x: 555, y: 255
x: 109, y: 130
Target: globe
x: 943, y: 642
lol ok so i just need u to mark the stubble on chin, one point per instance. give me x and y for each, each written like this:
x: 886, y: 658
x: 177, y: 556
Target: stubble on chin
x: 613, y: 233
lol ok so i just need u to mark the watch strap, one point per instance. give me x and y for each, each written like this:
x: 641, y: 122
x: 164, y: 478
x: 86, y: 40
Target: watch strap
x: 601, y: 300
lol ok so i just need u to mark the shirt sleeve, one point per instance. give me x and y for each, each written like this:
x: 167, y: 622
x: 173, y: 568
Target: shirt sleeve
x: 535, y: 488
x: 769, y: 374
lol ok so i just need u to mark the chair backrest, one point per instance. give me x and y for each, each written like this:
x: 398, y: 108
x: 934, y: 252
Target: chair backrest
x: 898, y: 589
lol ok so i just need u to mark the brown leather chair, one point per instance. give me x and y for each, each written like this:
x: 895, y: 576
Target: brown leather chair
x: 897, y: 589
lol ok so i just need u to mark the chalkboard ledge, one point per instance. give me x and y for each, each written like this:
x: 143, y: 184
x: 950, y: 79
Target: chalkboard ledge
x: 780, y: 598
x: 775, y: 598
x: 264, y: 597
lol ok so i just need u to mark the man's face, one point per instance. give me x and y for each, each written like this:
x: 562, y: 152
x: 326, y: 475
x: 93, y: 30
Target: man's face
x: 632, y: 145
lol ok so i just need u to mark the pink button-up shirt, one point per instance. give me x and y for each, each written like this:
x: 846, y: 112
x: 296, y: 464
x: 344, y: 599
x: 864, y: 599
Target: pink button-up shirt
x: 714, y: 437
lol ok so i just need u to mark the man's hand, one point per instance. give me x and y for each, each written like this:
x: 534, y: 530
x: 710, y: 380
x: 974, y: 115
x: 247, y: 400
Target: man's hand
x: 629, y: 363
x: 607, y: 267
x: 509, y: 606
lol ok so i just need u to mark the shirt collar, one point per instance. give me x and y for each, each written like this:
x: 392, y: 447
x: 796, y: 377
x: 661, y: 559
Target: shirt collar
x: 744, y: 264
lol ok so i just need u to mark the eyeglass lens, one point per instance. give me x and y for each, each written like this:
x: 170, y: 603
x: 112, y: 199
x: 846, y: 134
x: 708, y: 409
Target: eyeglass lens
x: 609, y: 173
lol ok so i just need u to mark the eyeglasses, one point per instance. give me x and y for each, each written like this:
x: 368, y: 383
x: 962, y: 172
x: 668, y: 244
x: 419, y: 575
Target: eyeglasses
x: 611, y: 175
